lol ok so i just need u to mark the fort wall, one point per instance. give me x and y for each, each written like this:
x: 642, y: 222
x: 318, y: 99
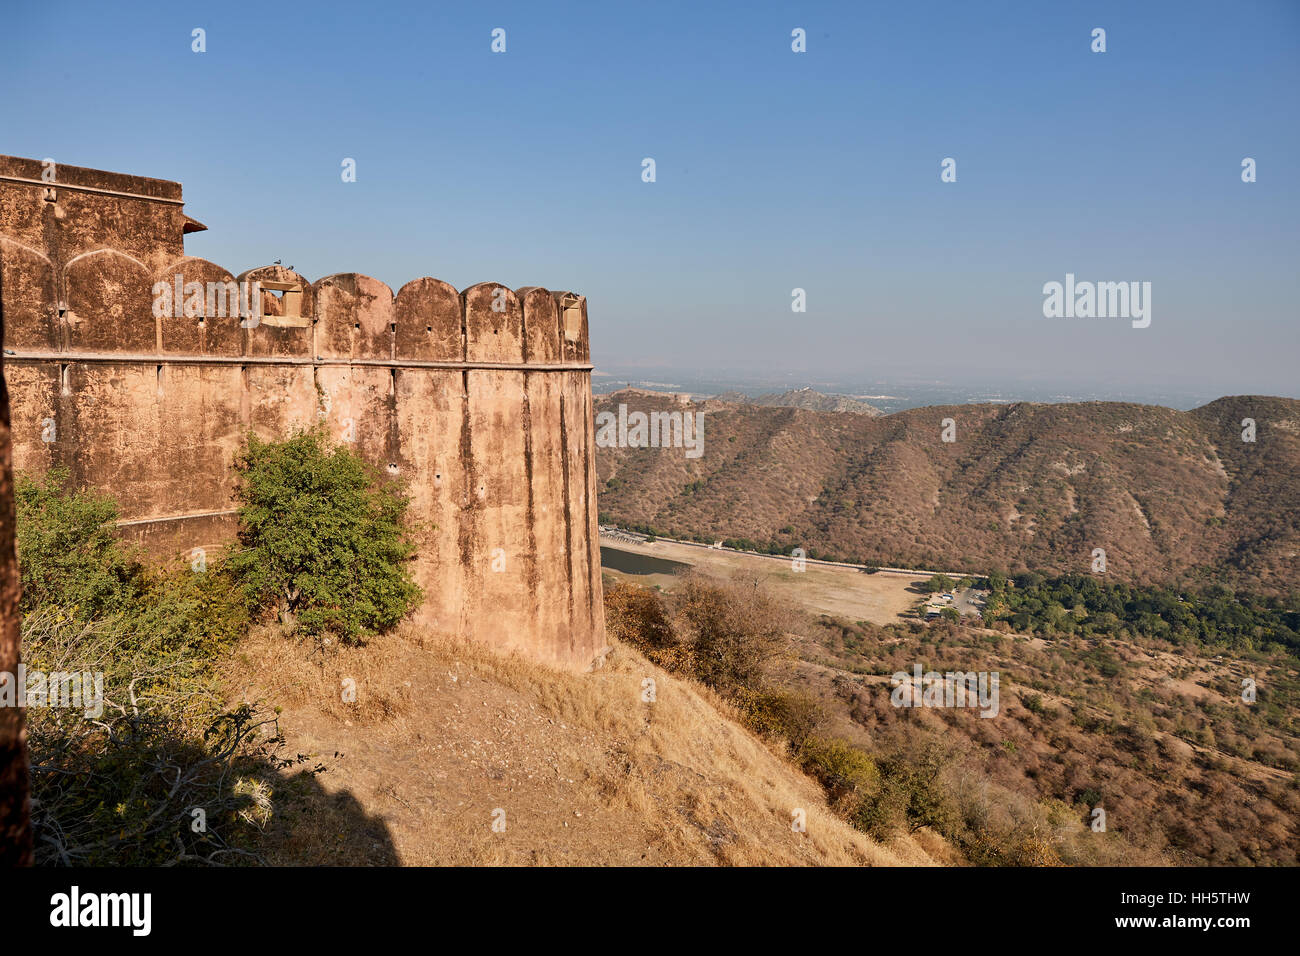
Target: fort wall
x: 479, y: 400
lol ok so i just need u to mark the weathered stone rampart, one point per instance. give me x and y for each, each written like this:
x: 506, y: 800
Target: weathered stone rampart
x: 144, y: 385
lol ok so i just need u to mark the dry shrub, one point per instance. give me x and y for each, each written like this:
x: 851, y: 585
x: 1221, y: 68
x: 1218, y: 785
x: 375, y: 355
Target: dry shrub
x: 725, y: 634
x: 793, y: 717
x: 116, y: 780
x: 637, y: 616
x: 736, y: 630
x: 843, y: 770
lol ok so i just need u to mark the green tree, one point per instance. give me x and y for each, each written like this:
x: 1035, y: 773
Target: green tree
x: 69, y: 553
x: 73, y: 564
x: 323, y: 537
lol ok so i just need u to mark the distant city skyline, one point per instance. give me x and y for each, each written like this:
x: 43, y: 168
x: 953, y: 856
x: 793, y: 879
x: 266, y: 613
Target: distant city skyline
x: 775, y: 170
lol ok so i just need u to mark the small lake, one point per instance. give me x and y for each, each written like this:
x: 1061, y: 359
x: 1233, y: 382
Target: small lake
x: 633, y: 562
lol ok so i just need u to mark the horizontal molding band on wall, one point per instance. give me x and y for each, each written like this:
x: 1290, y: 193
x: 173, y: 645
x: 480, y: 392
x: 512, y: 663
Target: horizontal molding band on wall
x: 122, y: 358
x: 196, y: 514
x: 89, y: 189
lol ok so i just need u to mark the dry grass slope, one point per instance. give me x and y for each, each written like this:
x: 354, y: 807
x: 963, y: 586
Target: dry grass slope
x: 587, y: 772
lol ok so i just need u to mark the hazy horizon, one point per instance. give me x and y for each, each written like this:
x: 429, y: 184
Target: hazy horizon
x: 900, y: 392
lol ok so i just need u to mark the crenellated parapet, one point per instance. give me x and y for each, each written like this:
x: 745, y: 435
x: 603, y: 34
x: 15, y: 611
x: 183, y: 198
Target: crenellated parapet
x: 197, y: 309
x: 142, y: 369
x: 95, y: 263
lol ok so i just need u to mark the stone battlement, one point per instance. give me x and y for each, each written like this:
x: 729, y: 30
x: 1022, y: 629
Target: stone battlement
x: 141, y: 369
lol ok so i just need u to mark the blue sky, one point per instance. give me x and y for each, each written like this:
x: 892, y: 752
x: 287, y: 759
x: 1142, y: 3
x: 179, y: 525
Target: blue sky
x: 775, y: 170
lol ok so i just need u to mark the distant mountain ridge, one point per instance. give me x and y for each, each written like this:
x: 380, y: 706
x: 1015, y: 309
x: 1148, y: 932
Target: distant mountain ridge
x: 1167, y: 495
x: 806, y: 397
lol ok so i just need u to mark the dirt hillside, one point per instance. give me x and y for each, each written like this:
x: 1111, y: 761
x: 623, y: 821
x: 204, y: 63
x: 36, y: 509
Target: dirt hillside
x: 442, y: 739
